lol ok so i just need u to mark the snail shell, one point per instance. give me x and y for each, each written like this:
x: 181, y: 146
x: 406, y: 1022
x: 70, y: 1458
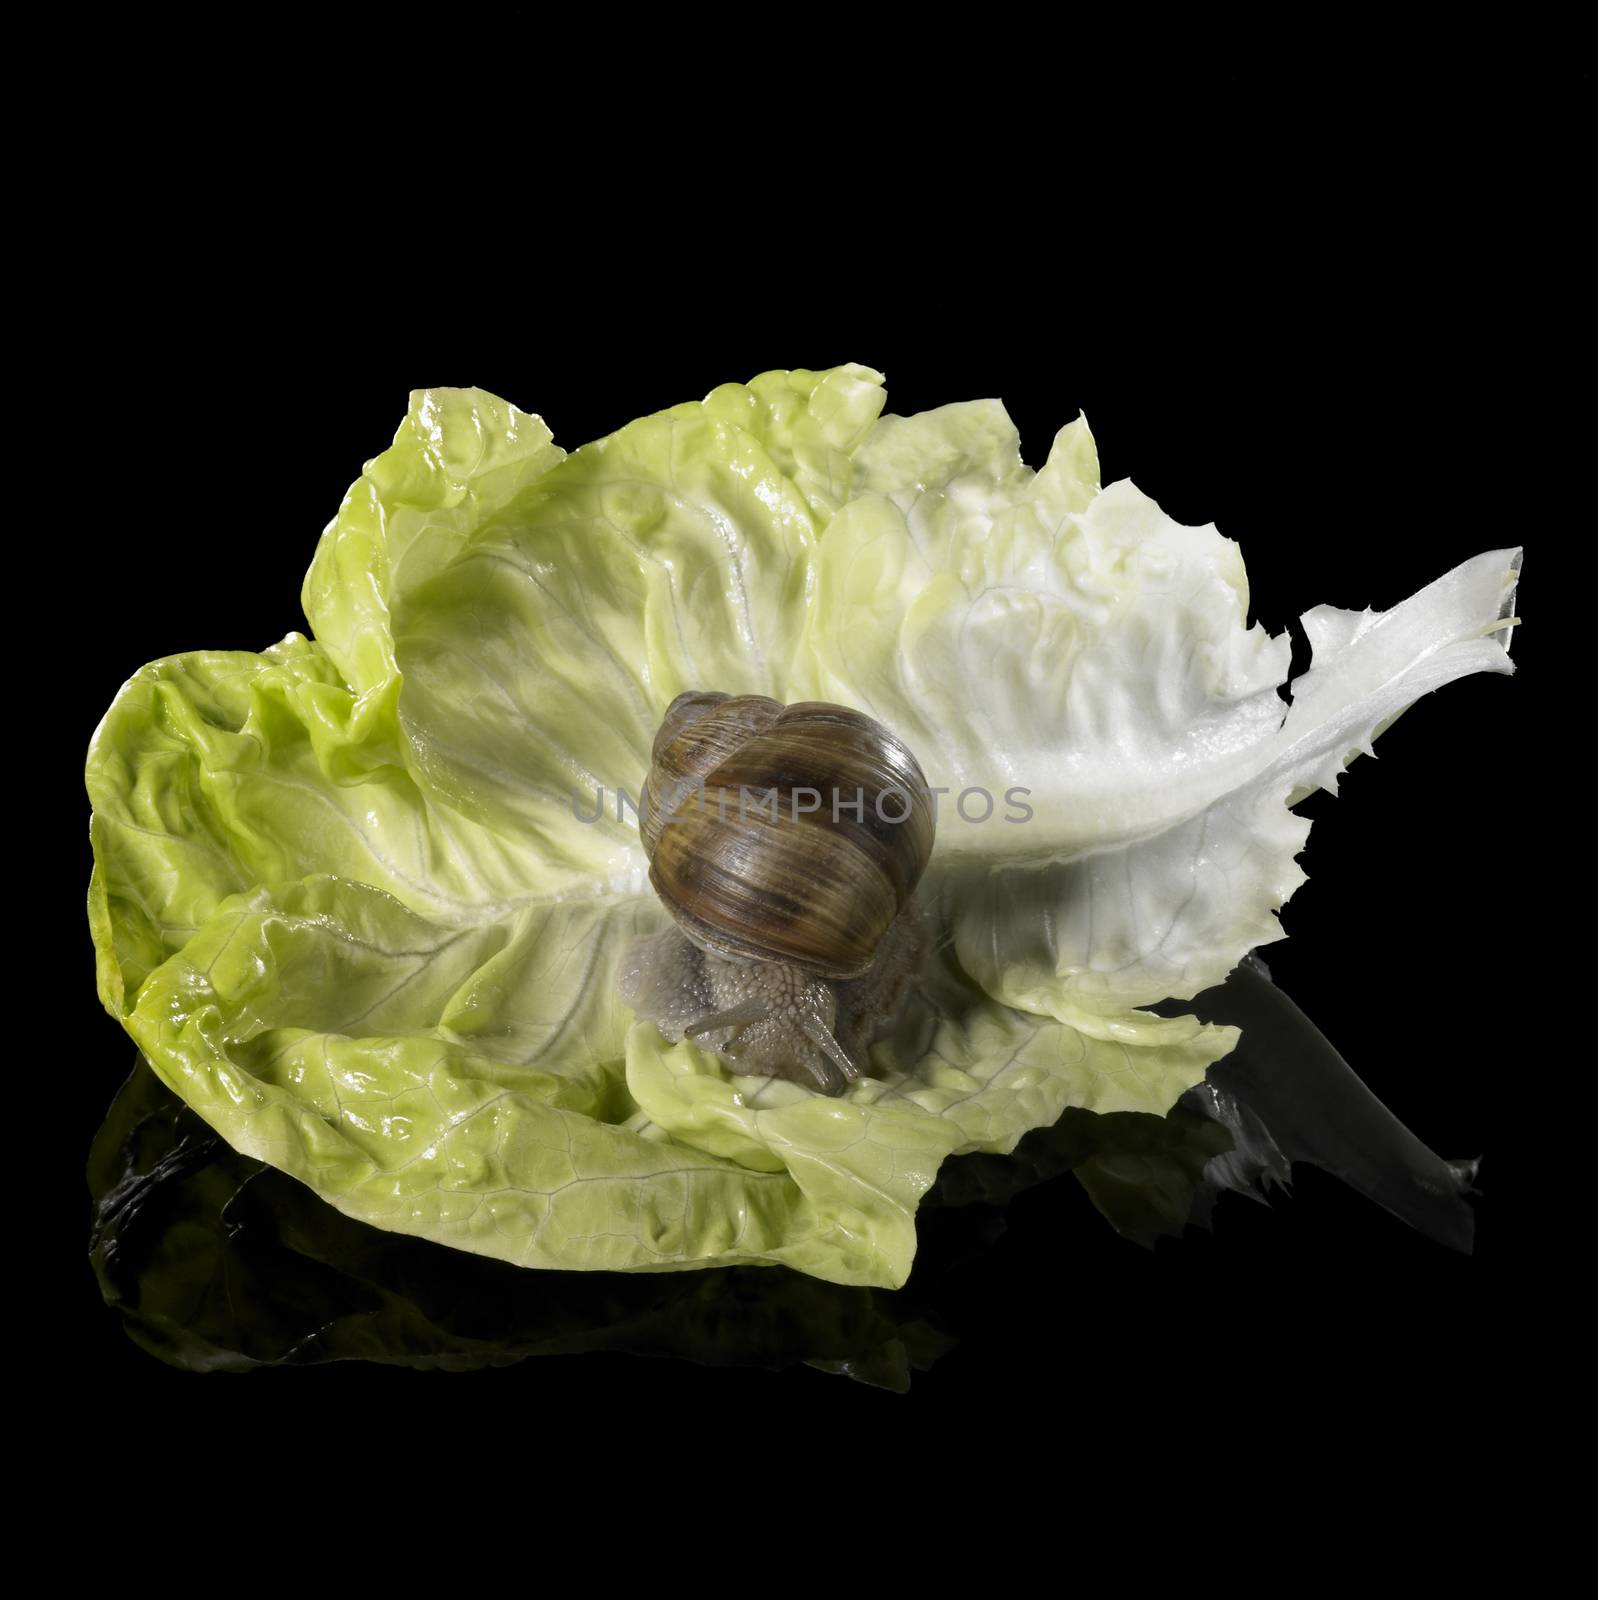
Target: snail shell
x: 762, y: 871
x: 786, y: 842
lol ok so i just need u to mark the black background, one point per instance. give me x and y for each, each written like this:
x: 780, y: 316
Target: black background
x: 1335, y: 387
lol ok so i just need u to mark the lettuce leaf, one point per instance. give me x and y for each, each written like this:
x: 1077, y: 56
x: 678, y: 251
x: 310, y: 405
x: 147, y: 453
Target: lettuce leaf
x: 346, y: 906
x: 216, y: 1263
x: 1031, y: 629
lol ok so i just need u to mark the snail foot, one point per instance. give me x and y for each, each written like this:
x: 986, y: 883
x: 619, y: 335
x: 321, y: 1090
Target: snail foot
x: 768, y: 1018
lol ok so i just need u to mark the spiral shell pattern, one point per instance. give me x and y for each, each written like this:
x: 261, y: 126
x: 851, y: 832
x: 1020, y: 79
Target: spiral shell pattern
x: 784, y: 833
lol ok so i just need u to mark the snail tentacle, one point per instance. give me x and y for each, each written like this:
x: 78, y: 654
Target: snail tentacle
x: 820, y: 1035
x: 736, y: 1017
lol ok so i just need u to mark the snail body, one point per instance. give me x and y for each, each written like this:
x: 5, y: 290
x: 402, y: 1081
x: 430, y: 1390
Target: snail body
x: 786, y: 842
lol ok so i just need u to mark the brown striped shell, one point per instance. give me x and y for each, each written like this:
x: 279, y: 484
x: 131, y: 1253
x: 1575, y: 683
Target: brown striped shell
x: 750, y: 865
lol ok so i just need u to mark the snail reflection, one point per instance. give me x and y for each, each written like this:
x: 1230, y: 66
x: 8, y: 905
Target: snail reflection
x: 795, y: 930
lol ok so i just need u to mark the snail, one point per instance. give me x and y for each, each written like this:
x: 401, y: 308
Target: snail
x: 786, y: 842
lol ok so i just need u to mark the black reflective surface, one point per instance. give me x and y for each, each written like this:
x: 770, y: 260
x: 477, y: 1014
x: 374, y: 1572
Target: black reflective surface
x: 215, y: 1262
